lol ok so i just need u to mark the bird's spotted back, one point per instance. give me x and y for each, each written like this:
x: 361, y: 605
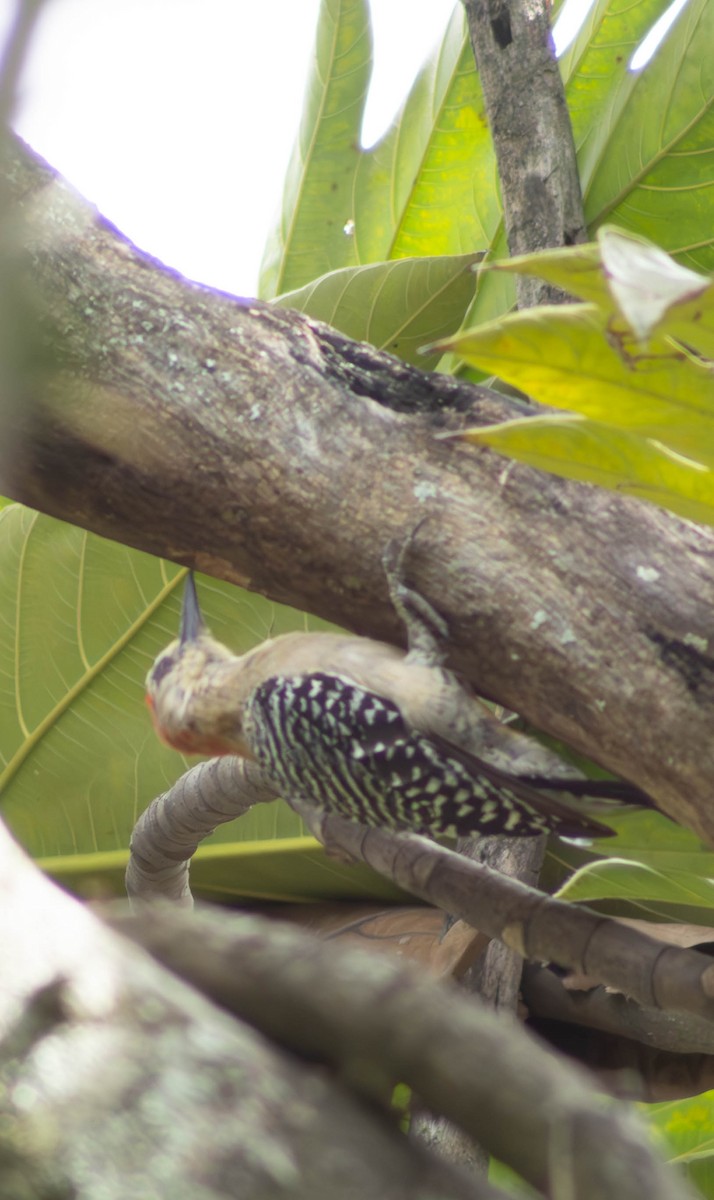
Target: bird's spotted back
x: 349, y: 751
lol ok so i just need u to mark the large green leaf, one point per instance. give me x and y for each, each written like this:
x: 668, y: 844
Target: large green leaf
x: 397, y: 306
x: 595, y: 72
x: 279, y: 868
x: 647, y: 150
x: 83, y: 619
x: 312, y: 235
x: 625, y: 879
x: 430, y: 185
x: 427, y: 188
x: 645, y: 139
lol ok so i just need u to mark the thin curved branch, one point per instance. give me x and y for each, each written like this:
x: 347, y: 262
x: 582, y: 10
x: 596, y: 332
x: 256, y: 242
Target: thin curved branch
x: 535, y: 925
x: 168, y: 832
x: 529, y: 922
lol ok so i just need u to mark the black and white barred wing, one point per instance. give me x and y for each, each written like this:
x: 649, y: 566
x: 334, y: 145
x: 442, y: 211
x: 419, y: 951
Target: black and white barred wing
x: 349, y: 751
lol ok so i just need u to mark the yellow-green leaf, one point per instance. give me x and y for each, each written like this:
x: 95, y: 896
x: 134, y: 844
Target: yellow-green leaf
x: 626, y: 275
x: 645, y: 283
x: 564, y: 357
x: 577, y: 448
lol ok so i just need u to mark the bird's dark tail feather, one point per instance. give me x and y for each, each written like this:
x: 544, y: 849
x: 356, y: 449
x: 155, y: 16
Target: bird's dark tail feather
x: 596, y: 789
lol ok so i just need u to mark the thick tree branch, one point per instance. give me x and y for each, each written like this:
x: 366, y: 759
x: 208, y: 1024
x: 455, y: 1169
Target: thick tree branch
x: 168, y: 832
x: 221, y: 433
x: 117, y: 1080
x: 379, y: 1023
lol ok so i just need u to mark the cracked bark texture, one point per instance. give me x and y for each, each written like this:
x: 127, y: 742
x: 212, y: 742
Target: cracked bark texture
x: 268, y: 450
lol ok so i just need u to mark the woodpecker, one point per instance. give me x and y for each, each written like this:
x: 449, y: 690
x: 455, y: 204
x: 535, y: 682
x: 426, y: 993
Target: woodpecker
x: 359, y: 728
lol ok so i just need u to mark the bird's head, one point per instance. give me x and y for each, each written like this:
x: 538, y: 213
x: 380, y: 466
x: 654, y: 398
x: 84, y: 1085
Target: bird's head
x: 185, y: 702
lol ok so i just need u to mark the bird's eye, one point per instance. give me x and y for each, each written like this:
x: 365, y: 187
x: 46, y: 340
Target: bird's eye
x: 161, y: 669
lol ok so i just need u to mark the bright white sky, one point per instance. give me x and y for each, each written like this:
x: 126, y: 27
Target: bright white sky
x: 177, y: 117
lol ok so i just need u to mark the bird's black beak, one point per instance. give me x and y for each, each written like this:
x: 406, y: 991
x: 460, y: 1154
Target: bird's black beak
x: 191, y: 620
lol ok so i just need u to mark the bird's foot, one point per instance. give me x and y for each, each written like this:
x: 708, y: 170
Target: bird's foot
x: 427, y: 631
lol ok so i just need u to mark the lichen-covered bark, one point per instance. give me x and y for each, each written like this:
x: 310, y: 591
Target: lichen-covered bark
x: 116, y: 1080
x: 252, y: 442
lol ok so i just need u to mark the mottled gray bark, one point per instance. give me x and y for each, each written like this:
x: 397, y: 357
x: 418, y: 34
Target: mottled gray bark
x: 253, y: 443
x: 531, y: 131
x: 117, y: 1080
